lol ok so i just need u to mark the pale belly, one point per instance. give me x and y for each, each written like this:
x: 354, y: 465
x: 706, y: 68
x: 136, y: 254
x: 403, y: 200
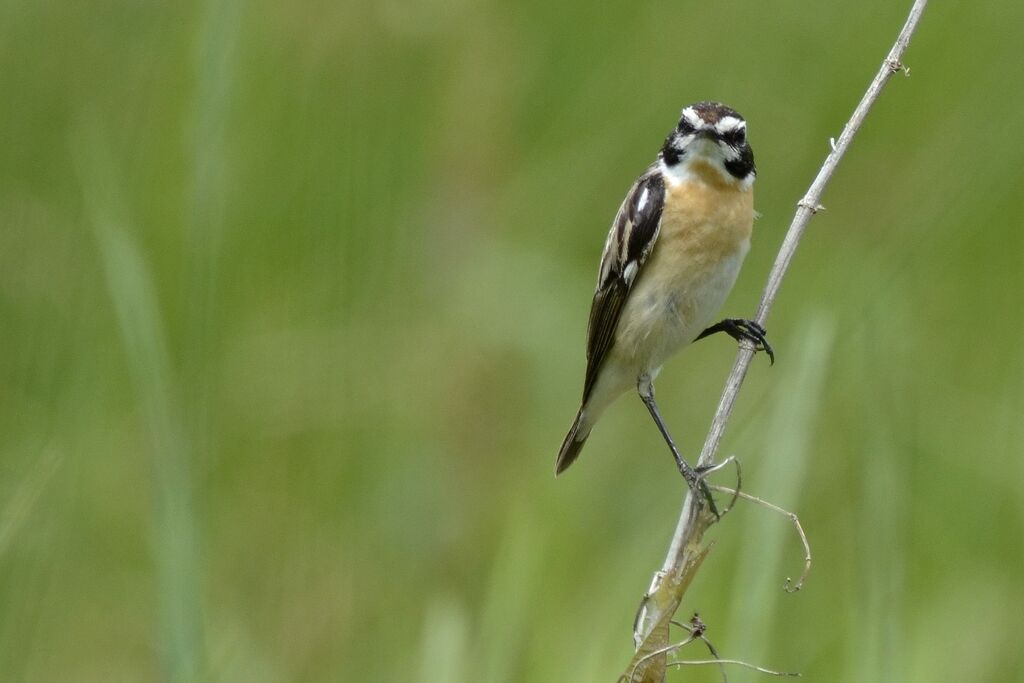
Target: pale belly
x: 665, y: 314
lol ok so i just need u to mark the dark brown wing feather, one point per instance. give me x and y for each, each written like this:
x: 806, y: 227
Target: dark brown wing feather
x: 632, y: 236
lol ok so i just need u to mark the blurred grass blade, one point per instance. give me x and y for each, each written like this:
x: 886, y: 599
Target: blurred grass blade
x: 19, y: 507
x: 508, y: 604
x: 132, y: 292
x: 877, y: 653
x: 214, y: 63
x: 769, y: 552
x: 443, y: 653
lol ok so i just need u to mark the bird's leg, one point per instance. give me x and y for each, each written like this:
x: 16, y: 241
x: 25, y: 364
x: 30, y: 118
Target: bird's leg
x: 645, y: 388
x: 740, y: 329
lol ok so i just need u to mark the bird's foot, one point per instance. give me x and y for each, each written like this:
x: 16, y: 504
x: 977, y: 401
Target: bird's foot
x: 749, y: 330
x: 695, y: 480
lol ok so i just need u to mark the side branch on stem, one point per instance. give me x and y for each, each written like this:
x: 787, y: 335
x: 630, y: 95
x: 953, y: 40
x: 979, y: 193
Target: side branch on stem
x: 687, y: 550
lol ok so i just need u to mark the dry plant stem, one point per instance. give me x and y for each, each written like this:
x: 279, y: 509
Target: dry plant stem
x: 736, y: 662
x: 789, y: 586
x: 687, y: 550
x: 703, y: 662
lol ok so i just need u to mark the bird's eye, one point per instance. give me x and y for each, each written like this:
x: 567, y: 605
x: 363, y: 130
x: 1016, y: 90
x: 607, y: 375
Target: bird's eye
x: 737, y: 137
x: 685, y: 127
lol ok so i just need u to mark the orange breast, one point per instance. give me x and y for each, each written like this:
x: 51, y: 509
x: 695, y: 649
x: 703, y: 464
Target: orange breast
x: 703, y: 223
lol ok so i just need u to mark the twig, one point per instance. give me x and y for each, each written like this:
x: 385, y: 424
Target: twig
x: 789, y: 586
x: 698, y: 634
x: 697, y: 662
x: 661, y: 651
x: 687, y: 551
x: 746, y: 665
x: 733, y: 460
x: 697, y: 629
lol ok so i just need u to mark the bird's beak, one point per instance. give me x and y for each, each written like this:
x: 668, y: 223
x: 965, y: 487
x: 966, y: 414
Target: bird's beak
x: 705, y: 142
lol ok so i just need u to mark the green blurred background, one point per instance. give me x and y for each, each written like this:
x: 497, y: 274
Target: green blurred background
x: 293, y: 300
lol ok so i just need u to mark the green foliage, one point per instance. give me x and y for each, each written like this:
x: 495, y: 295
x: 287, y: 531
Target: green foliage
x: 294, y: 297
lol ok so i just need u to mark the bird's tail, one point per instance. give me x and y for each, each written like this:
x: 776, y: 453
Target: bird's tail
x: 573, y: 443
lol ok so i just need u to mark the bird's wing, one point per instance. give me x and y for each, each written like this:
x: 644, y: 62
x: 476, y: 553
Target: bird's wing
x: 630, y: 241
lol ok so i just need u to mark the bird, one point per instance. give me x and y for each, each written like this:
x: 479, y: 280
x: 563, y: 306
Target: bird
x: 670, y: 260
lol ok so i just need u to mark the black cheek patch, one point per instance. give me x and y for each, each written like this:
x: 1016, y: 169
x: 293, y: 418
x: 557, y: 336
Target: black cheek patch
x: 670, y: 154
x: 742, y: 167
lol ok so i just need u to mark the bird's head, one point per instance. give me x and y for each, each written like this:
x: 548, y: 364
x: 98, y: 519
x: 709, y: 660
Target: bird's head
x: 712, y: 133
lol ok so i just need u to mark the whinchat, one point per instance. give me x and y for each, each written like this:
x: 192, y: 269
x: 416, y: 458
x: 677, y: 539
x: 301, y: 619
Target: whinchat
x: 671, y: 258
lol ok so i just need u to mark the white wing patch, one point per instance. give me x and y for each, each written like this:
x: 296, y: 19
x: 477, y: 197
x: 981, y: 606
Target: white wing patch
x: 630, y: 272
x: 642, y: 202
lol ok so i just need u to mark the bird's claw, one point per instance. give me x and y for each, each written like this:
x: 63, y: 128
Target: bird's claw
x: 753, y: 332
